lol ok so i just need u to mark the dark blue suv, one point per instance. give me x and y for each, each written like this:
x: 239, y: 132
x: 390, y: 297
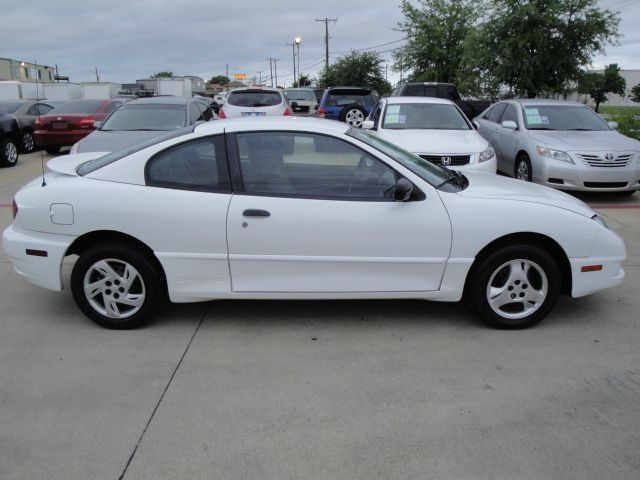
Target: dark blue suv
x: 347, y: 104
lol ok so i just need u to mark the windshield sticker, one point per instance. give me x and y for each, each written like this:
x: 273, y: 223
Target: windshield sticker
x: 545, y: 119
x: 393, y: 109
x: 533, y: 116
x: 402, y: 119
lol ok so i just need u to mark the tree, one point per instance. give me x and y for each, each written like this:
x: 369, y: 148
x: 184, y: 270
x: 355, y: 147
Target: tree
x: 597, y: 85
x: 358, y: 69
x: 535, y: 46
x: 436, y: 31
x: 163, y: 74
x: 219, y: 80
x: 303, y: 81
x: 635, y: 94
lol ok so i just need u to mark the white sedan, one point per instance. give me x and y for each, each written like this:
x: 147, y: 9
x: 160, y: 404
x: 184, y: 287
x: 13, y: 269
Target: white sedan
x: 435, y: 129
x: 230, y: 210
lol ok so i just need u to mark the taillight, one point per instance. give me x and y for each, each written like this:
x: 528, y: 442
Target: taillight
x: 87, y: 122
x: 287, y: 112
x: 221, y: 114
x: 321, y: 112
x: 15, y: 209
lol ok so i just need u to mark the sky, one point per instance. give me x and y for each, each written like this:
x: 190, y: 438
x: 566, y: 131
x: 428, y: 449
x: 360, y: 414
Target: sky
x: 131, y: 39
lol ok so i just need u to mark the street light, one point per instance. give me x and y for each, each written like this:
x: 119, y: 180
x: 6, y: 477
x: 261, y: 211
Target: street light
x: 298, y: 41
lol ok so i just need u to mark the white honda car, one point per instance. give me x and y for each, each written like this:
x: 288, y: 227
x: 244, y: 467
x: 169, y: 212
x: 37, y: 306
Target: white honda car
x: 228, y: 210
x: 435, y: 129
x: 255, y: 102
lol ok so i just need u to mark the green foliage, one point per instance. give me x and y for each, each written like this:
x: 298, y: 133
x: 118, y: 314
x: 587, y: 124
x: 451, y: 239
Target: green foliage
x: 219, y: 80
x: 304, y: 81
x: 357, y: 69
x: 628, y: 122
x: 536, y: 46
x: 437, y: 31
x: 635, y: 94
x: 163, y: 74
x: 597, y: 85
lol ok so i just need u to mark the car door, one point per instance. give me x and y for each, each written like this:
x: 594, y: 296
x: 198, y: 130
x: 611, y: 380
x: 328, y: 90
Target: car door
x: 506, y: 139
x: 321, y: 218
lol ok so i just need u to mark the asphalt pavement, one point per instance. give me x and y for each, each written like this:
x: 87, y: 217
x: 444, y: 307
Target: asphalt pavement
x: 320, y: 389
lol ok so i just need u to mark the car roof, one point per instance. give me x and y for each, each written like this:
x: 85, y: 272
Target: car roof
x: 255, y: 89
x: 163, y: 101
x: 330, y: 89
x: 544, y: 101
x: 395, y: 100
x: 273, y: 123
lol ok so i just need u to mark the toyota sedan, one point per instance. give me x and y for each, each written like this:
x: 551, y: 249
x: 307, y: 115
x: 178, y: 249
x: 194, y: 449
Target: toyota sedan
x: 228, y: 210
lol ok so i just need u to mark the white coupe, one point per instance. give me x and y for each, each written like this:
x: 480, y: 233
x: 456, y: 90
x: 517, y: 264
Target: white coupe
x: 295, y: 208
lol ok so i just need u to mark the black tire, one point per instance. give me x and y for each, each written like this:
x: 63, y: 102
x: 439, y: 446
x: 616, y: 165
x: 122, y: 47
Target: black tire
x: 8, y: 153
x: 495, y: 267
x: 27, y: 141
x: 146, y: 285
x: 349, y: 110
x: 523, y: 162
x: 52, y: 149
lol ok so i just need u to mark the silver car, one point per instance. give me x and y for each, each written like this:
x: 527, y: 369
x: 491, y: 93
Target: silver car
x: 560, y: 144
x: 255, y: 102
x: 303, y: 101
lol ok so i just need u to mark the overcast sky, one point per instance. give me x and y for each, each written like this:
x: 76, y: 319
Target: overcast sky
x: 131, y: 39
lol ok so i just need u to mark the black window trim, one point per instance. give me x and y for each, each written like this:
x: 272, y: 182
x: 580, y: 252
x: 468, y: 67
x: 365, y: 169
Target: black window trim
x: 237, y: 182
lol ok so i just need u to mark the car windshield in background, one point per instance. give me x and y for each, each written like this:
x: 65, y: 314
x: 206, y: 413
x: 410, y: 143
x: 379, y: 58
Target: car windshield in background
x: 429, y: 172
x: 146, y: 117
x: 257, y: 98
x: 562, y: 117
x: 78, y: 106
x: 300, y: 95
x: 338, y: 98
x: 9, y: 107
x: 405, y: 116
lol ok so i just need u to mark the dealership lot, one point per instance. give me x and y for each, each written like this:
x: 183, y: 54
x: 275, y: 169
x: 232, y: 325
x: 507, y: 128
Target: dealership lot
x: 335, y: 389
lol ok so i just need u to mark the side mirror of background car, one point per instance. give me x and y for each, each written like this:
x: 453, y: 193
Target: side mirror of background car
x: 98, y: 124
x: 475, y: 125
x: 402, y: 190
x: 613, y: 125
x: 368, y: 125
x: 510, y: 124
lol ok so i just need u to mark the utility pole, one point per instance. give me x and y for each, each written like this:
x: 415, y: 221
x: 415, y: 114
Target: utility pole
x: 97, y: 76
x: 275, y: 69
x: 293, y: 50
x: 260, y: 75
x: 227, y: 75
x: 271, y: 69
x: 326, y: 21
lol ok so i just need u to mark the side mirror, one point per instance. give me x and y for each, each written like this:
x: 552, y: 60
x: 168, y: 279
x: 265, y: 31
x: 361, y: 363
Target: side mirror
x: 402, y: 190
x: 368, y: 125
x: 475, y: 125
x: 613, y: 125
x: 510, y: 124
x: 98, y: 124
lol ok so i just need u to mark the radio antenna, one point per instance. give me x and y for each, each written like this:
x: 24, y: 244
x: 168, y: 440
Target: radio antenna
x: 35, y: 62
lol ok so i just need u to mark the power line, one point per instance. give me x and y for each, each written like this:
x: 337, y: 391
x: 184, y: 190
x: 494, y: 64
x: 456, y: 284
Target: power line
x: 374, y: 46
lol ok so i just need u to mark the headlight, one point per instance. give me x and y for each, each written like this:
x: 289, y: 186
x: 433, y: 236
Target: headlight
x: 74, y: 148
x: 487, y: 154
x: 555, y: 154
x: 599, y: 219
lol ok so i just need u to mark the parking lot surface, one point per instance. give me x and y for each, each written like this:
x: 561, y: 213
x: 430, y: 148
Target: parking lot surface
x: 320, y: 390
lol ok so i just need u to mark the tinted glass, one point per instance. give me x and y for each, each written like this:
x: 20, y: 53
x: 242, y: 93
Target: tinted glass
x: 303, y: 95
x: 113, y: 106
x: 414, y: 91
x: 33, y: 110
x: 146, y: 117
x: 9, y: 107
x: 78, y: 106
x: 44, y: 109
x: 196, y: 165
x: 308, y: 165
x: 403, y: 116
x: 496, y: 112
x: 363, y: 98
x: 510, y: 114
x: 562, y: 117
x: 254, y: 98
x: 195, y: 114
x: 207, y: 113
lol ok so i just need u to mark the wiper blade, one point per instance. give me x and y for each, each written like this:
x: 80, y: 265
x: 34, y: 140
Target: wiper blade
x: 541, y: 128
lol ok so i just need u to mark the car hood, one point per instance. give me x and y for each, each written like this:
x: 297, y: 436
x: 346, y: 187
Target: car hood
x: 68, y: 164
x: 104, y: 141
x: 584, y: 141
x: 436, y: 141
x: 491, y: 186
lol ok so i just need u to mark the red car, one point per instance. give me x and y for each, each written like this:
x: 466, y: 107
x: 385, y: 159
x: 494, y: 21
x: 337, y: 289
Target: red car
x: 71, y: 122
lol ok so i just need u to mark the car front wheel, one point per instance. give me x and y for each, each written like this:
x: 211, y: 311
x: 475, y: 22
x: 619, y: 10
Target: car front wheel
x: 515, y: 287
x: 8, y: 153
x: 523, y: 168
x: 28, y: 145
x: 116, y: 287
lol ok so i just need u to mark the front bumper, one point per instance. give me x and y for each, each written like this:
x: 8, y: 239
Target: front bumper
x: 42, y: 271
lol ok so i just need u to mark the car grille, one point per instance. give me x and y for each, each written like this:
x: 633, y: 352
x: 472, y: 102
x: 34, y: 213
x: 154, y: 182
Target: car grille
x: 607, y: 159
x: 605, y: 184
x: 455, y: 159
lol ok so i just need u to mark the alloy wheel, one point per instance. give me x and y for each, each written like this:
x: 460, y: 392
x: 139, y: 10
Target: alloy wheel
x: 523, y: 171
x: 354, y: 117
x: 27, y: 142
x: 11, y: 153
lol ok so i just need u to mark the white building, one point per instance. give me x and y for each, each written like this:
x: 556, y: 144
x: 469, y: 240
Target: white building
x: 632, y: 77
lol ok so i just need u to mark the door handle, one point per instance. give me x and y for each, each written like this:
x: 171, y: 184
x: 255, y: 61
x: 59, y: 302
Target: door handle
x: 252, y: 212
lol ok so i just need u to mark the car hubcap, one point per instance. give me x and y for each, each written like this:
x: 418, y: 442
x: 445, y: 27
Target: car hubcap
x: 11, y: 153
x: 354, y: 117
x: 114, y: 288
x: 517, y: 289
x: 523, y: 171
x: 27, y: 141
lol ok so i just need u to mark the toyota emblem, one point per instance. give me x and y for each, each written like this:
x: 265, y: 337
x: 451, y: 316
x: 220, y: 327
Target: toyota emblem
x: 445, y: 160
x: 609, y: 156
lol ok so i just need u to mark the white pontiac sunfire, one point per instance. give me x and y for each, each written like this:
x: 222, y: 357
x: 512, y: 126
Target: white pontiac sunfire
x: 292, y: 208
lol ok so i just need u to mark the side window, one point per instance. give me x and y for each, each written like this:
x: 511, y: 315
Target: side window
x: 496, y: 112
x: 197, y: 165
x: 510, y: 114
x: 414, y: 91
x: 44, y: 109
x: 308, y: 165
x: 207, y: 114
x: 113, y: 106
x: 196, y: 113
x: 376, y: 113
x: 33, y: 110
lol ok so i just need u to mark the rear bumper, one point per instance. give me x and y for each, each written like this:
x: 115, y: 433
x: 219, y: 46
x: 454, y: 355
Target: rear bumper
x: 62, y: 138
x: 42, y: 271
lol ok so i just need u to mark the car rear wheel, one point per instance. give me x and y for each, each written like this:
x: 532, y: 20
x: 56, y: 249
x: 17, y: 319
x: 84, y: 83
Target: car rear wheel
x: 515, y: 287
x: 52, y: 149
x: 116, y: 287
x: 353, y: 115
x: 28, y: 145
x: 523, y: 168
x: 8, y: 153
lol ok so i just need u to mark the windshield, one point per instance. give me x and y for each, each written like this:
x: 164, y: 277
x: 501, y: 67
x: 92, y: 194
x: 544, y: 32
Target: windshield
x: 146, y: 117
x: 78, y: 106
x: 303, y: 95
x: 429, y: 172
x: 95, y: 164
x: 435, y: 116
x: 363, y: 98
x: 9, y: 107
x: 255, y: 98
x: 563, y: 117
